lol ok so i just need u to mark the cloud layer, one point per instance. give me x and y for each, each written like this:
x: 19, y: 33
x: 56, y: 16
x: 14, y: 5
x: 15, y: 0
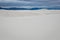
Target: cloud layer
x: 41, y: 3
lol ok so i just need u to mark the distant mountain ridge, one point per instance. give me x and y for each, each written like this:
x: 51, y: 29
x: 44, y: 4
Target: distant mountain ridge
x: 29, y: 8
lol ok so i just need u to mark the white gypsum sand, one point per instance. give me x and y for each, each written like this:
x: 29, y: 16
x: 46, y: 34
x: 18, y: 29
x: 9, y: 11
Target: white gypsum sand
x: 20, y: 13
x: 30, y: 25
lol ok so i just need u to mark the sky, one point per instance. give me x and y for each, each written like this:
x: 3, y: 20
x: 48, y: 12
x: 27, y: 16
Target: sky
x: 41, y: 3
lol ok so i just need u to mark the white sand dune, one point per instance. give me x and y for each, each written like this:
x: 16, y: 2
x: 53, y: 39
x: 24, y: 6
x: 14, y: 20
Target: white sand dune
x: 30, y: 25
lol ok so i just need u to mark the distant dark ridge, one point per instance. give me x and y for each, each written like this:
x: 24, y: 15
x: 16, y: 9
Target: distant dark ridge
x: 53, y: 8
x: 29, y: 8
x: 20, y: 8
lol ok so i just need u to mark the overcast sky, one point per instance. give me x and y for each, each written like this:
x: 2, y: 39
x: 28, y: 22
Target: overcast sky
x: 48, y: 3
x: 29, y: 0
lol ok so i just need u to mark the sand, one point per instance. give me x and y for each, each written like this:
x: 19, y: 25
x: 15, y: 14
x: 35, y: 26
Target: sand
x: 20, y: 13
x: 30, y: 25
